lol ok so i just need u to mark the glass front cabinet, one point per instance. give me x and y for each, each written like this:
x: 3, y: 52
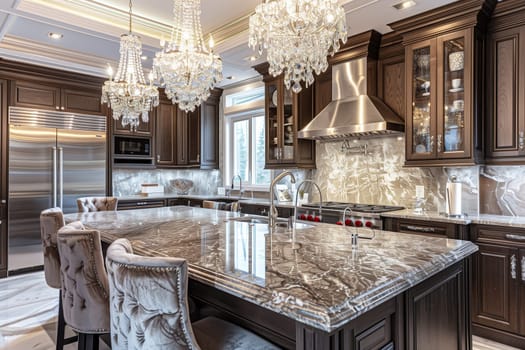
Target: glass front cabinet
x: 440, y: 126
x: 286, y: 114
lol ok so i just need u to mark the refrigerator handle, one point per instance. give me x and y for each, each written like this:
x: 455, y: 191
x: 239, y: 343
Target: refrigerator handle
x: 55, y: 184
x: 61, y: 175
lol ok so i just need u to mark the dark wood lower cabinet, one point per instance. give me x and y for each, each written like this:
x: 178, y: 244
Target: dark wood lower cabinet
x: 498, y: 293
x: 433, y: 315
x: 140, y: 204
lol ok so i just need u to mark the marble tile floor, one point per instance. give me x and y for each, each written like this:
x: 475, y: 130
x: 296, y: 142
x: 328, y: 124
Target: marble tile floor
x: 29, y: 308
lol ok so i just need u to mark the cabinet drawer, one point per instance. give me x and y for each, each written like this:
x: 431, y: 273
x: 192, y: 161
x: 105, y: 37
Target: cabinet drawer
x: 378, y: 336
x: 512, y: 235
x: 190, y: 202
x: 422, y: 227
x: 141, y: 204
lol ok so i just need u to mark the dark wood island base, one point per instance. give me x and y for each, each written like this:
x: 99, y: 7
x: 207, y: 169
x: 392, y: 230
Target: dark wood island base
x: 432, y: 315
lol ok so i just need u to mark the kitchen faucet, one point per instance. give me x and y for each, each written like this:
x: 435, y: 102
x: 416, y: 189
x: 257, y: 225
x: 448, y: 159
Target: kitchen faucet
x: 296, y: 196
x: 354, y: 236
x: 273, y: 214
x: 240, y: 184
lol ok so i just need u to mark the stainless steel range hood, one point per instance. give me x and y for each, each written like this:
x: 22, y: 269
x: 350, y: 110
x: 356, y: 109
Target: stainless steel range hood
x: 352, y: 113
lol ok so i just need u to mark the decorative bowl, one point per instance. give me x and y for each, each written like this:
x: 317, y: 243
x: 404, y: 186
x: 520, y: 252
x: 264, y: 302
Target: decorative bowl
x: 456, y: 60
x: 181, y: 186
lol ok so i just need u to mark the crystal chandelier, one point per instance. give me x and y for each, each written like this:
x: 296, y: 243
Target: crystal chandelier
x: 189, y: 69
x: 298, y: 36
x: 127, y: 94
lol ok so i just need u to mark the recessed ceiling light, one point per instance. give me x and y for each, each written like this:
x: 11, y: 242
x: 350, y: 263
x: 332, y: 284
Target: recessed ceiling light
x: 231, y: 77
x: 403, y: 5
x: 144, y: 57
x: 251, y: 58
x: 55, y: 36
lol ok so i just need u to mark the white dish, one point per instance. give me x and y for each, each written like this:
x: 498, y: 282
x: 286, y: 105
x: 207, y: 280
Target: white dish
x: 274, y: 98
x: 456, y: 90
x: 421, y: 148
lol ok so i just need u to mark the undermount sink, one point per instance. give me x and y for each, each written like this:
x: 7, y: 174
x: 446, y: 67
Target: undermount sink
x: 263, y: 220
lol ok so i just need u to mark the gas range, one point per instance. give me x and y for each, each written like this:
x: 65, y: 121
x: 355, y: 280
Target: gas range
x: 359, y: 215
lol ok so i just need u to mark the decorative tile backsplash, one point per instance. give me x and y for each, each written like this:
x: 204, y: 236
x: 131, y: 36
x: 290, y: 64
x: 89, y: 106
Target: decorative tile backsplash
x: 372, y: 171
x: 128, y: 181
x: 369, y: 171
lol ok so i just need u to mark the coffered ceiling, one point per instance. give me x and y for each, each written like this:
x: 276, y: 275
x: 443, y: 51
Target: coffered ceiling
x: 91, y: 29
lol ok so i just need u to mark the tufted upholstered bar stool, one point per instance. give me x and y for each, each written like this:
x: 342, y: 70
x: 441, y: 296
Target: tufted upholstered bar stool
x: 87, y: 204
x: 85, y: 291
x: 149, y: 307
x: 51, y: 220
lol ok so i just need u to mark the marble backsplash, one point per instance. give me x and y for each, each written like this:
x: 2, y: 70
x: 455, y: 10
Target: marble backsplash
x: 372, y: 171
x: 502, y: 190
x: 128, y: 181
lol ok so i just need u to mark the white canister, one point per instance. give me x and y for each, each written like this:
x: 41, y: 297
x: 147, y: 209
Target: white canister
x: 453, y: 198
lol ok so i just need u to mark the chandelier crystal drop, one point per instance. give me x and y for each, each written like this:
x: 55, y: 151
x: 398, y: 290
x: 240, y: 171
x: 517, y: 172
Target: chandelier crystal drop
x: 188, y: 68
x: 298, y: 35
x: 127, y: 94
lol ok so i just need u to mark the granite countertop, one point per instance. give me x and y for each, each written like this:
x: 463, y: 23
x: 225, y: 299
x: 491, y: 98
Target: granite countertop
x: 315, y: 278
x: 482, y: 219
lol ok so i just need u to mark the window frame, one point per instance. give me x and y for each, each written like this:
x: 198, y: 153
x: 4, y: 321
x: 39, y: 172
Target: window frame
x: 229, y: 149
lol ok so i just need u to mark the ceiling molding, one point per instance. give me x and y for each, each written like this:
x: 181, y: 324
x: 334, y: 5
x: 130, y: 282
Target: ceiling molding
x: 33, y: 52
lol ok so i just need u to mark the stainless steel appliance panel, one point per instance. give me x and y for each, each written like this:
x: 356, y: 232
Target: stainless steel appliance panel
x: 81, y: 166
x: 30, y: 182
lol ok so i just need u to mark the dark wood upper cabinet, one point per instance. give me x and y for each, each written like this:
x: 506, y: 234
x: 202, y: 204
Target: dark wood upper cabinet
x: 287, y: 113
x: 188, y: 139
x: 165, y: 134
x: 444, y: 60
x: 145, y: 129
x: 506, y: 87
x: 391, y: 73
x: 74, y: 100
x: 322, y: 90
x: 209, y: 135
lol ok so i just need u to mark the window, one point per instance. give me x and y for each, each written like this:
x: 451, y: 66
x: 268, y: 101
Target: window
x: 245, y: 136
x: 248, y: 150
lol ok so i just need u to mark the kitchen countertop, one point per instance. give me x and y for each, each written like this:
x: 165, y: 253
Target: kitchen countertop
x: 317, y: 279
x: 482, y: 219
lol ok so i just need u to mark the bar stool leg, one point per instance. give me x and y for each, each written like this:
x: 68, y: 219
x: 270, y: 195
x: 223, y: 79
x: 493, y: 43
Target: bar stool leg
x: 61, y: 326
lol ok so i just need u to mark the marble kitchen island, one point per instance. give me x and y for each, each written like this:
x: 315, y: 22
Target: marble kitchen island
x: 314, y: 291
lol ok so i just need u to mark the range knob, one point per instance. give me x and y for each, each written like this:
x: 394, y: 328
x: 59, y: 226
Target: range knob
x: 369, y: 224
x: 340, y: 223
x: 302, y: 217
x: 349, y: 222
x: 358, y: 223
x: 310, y: 217
x: 317, y: 219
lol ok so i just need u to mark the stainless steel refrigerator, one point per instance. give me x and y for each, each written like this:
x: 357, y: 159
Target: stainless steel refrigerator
x: 54, y: 158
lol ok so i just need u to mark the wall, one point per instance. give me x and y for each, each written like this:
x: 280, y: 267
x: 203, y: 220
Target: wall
x: 502, y: 190
x: 128, y: 181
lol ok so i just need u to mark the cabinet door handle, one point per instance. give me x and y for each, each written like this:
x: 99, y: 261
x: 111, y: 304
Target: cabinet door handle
x: 198, y: 158
x: 432, y: 144
x: 57, y: 108
x: 158, y: 157
x: 523, y: 268
x: 62, y: 108
x: 417, y: 228
x: 515, y: 237
x: 513, y: 266
x: 522, y: 140
x: 440, y: 143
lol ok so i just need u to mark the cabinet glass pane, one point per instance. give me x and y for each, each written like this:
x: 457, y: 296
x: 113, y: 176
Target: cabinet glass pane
x: 288, y: 134
x: 421, y: 142
x: 454, y: 103
x: 273, y: 123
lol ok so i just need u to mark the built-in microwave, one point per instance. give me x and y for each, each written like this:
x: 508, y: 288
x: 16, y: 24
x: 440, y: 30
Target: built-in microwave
x: 132, y: 150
